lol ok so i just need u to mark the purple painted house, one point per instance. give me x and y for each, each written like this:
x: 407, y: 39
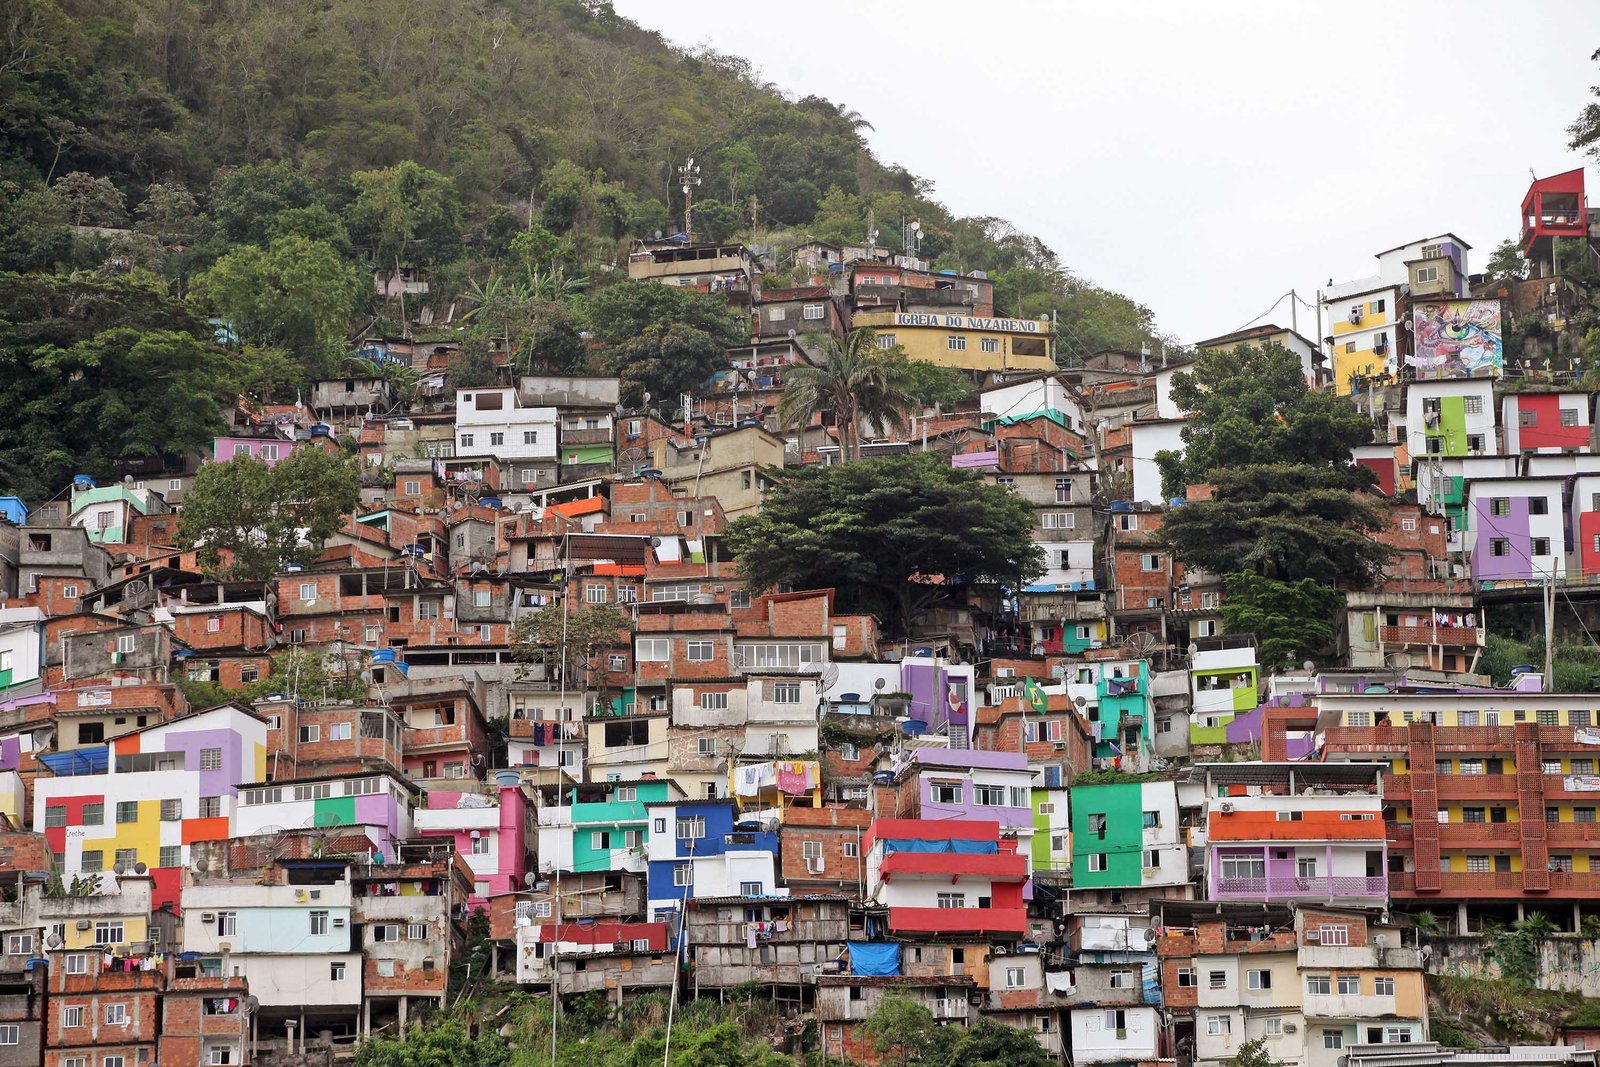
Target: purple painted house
x: 1517, y: 529
x: 146, y: 796
x: 1303, y: 832
x: 968, y: 783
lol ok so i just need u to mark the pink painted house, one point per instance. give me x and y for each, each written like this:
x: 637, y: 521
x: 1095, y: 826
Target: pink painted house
x: 269, y: 449
x: 492, y: 831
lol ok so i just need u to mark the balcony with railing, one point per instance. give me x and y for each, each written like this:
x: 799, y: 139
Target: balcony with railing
x: 1321, y: 887
x: 1460, y: 835
x: 1453, y: 636
x: 1476, y: 786
x: 1572, y: 832
x: 1499, y: 884
x: 455, y: 733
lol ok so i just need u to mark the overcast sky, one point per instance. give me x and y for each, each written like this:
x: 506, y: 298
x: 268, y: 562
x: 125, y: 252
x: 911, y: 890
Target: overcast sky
x: 1201, y: 157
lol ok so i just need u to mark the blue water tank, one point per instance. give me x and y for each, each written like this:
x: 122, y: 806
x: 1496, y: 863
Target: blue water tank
x: 321, y: 429
x: 490, y: 502
x: 1121, y: 505
x: 83, y: 481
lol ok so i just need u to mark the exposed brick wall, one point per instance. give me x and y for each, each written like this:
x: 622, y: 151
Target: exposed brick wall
x: 833, y: 828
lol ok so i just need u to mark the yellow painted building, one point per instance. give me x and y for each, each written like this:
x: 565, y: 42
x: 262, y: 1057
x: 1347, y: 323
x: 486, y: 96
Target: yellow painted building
x: 966, y: 342
x: 1362, y: 335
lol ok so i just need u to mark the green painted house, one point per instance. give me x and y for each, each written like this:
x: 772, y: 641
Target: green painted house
x: 1126, y: 835
x: 600, y: 826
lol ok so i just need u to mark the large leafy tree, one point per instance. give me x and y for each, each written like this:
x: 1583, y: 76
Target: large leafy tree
x: 297, y: 294
x: 1290, y: 619
x: 857, y: 383
x: 94, y: 370
x: 662, y: 339
x: 406, y: 214
x: 1251, y: 405
x: 250, y: 520
x: 1282, y: 521
x: 890, y: 534
x: 1286, y: 517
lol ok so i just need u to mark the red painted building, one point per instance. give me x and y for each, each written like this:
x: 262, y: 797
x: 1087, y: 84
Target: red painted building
x: 1554, y: 207
x: 946, y: 876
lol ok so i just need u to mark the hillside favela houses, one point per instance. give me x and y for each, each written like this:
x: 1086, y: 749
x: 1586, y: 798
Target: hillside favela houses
x: 575, y: 585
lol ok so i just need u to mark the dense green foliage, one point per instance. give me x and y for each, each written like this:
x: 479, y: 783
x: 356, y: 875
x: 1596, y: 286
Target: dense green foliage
x: 94, y: 369
x: 1285, y: 523
x: 889, y: 534
x: 249, y: 520
x: 1576, y: 664
x: 661, y: 339
x: 1291, y: 620
x: 903, y: 1033
x: 705, y: 1033
x: 521, y: 141
x: 1250, y: 406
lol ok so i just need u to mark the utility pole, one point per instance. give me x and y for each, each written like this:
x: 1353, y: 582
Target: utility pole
x: 1294, y: 311
x: 1550, y: 629
x: 689, y: 177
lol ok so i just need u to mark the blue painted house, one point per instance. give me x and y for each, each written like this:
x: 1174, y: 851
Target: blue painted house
x: 701, y: 848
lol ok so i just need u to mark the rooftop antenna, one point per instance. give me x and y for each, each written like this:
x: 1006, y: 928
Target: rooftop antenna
x: 689, y: 177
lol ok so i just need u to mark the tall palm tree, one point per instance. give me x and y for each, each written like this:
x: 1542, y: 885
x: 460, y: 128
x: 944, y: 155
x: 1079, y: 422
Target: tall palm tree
x: 858, y: 384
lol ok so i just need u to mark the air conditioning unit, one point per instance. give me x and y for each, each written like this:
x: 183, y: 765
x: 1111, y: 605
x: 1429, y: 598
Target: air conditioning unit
x: 1060, y: 746
x: 316, y: 894
x: 1226, y: 809
x: 338, y: 922
x: 208, y: 916
x: 1314, y: 935
x: 85, y: 924
x: 1291, y: 1028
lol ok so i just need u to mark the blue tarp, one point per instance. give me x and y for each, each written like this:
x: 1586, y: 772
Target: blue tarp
x: 874, y: 958
x: 971, y: 848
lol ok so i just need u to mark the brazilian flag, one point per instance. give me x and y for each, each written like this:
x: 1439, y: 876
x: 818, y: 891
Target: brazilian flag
x: 1034, y: 693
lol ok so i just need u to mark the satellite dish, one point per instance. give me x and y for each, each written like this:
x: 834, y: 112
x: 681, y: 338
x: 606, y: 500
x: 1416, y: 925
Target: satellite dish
x: 879, y: 683
x: 1193, y: 648
x: 830, y: 676
x: 476, y: 835
x: 120, y: 869
x: 530, y: 878
x: 658, y: 235
x: 1308, y: 666
x: 1080, y: 701
x: 1139, y: 642
x: 139, y: 868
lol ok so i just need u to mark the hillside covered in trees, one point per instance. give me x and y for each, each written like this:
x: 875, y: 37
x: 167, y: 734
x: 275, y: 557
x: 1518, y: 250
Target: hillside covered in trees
x: 166, y: 162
